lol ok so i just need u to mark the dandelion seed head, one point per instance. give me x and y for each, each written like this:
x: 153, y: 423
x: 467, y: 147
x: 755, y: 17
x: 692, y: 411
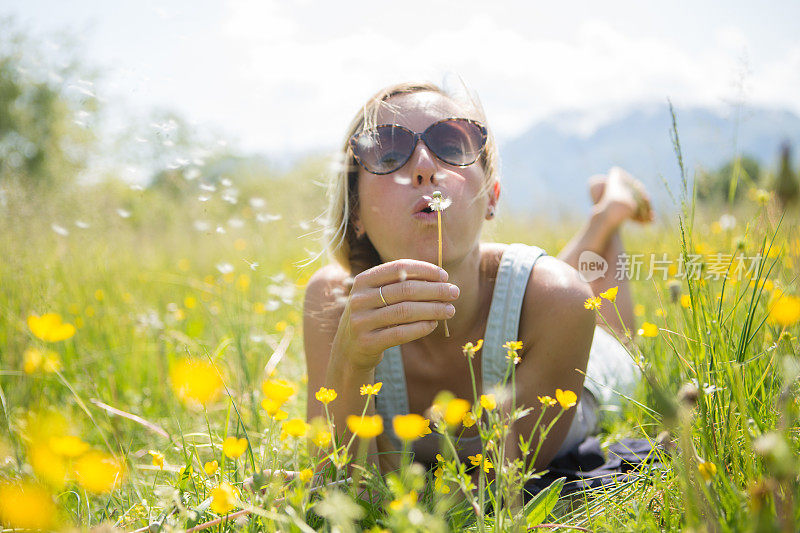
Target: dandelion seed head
x: 226, y: 182
x: 220, y: 230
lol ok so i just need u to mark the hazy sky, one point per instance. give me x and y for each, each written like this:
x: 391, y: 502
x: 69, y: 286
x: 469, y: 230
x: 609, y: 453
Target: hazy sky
x: 280, y: 77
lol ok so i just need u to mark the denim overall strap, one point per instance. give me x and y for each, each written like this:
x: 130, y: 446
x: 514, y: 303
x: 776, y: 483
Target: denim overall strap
x: 393, y: 397
x: 503, y: 322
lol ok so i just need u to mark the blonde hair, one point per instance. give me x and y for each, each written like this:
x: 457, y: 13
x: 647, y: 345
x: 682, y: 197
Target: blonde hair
x: 356, y: 254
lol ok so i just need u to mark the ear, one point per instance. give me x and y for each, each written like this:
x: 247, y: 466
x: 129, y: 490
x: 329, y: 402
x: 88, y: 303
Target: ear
x: 493, y: 198
x: 357, y: 227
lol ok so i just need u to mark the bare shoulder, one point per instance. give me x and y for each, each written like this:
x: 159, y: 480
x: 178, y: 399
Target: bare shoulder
x: 553, y: 302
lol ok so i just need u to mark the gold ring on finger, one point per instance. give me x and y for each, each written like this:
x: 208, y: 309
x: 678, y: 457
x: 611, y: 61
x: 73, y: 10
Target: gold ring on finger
x: 380, y: 291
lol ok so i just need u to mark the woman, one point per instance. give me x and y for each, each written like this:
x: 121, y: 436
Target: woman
x: 376, y: 313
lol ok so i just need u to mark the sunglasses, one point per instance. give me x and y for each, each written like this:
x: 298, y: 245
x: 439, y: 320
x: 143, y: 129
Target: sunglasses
x: 387, y: 147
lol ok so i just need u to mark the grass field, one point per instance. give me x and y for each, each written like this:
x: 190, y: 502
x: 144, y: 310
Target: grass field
x: 129, y: 407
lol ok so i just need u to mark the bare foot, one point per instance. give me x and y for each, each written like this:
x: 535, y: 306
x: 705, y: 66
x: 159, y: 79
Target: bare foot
x: 597, y: 184
x: 624, y: 197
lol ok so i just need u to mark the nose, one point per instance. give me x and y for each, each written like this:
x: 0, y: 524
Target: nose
x: 423, y: 165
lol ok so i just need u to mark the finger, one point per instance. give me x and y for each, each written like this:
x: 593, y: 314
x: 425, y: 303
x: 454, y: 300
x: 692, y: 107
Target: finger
x: 416, y: 291
x: 400, y: 270
x: 401, y: 333
x: 406, y: 313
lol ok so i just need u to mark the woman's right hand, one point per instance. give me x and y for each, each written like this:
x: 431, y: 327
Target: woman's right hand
x: 417, y: 297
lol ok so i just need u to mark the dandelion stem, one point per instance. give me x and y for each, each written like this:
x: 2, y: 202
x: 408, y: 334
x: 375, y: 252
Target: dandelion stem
x: 439, y: 220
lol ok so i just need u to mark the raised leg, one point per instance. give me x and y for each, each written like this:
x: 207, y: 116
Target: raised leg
x: 617, y: 198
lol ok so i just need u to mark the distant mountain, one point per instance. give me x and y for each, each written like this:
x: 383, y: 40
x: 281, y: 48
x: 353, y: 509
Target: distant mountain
x: 547, y: 166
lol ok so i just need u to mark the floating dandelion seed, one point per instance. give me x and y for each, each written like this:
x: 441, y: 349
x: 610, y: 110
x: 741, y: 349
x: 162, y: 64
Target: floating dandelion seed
x: 257, y: 203
x: 220, y: 230
x: 226, y: 182
x: 206, y: 187
x: 253, y: 265
x: 61, y: 230
x: 225, y: 268
x: 201, y: 225
x: 266, y: 217
x: 124, y: 213
x: 81, y: 224
x: 439, y: 203
x: 203, y: 198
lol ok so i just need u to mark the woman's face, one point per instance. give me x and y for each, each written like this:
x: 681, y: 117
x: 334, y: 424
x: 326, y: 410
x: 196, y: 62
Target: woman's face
x: 387, y: 203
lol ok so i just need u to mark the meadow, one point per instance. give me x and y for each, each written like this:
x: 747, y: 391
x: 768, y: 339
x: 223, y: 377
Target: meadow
x: 151, y: 361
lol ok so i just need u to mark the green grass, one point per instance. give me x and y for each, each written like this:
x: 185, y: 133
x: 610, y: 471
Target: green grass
x: 129, y: 283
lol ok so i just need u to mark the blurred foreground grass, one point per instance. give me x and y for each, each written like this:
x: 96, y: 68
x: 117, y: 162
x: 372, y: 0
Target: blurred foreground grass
x: 105, y: 426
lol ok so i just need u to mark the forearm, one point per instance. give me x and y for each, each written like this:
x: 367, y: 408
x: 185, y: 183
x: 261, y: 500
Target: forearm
x: 346, y: 379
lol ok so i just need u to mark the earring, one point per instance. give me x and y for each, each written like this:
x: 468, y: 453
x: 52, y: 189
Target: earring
x: 491, y: 212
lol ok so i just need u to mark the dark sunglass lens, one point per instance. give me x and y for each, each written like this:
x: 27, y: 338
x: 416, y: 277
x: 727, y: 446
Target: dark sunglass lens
x: 384, y: 149
x: 458, y: 142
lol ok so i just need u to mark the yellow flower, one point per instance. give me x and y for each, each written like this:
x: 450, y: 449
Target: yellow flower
x: 321, y: 437
x: 365, y: 427
x: 648, y: 330
x: 325, y: 396
x: 68, y: 446
x: 707, y: 470
x: 295, y: 427
x: 469, y: 349
x: 785, y: 310
x: 488, y: 402
x: 406, y: 501
x: 32, y: 360
x: 566, y: 398
x: 98, y: 472
x: 638, y: 310
x: 26, y: 506
x: 593, y: 303
x: 190, y: 302
x: 224, y: 498
x: 233, y: 447
x: 48, y: 466
x: 513, y: 345
x: 305, y: 475
x: 455, y: 410
x: 211, y: 467
x: 273, y: 409
x: 410, y: 427
x: 195, y: 381
x: 469, y: 420
x: 686, y: 301
x: 50, y: 328
x: 278, y: 390
x: 479, y: 460
x: 610, y: 294
x: 547, y: 401
x: 52, y: 363
x: 158, y: 459
x: 369, y: 390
